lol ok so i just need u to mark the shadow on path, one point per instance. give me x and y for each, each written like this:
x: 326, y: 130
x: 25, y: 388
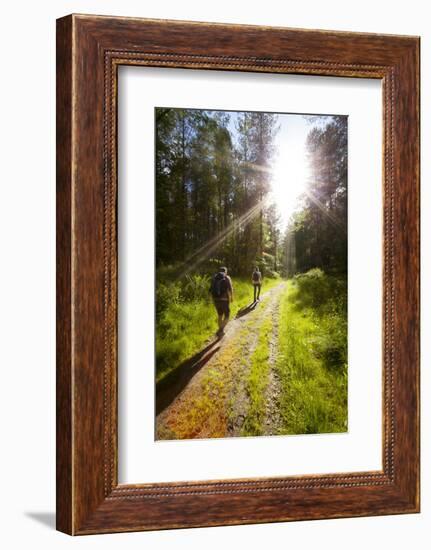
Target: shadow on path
x: 247, y: 309
x: 173, y: 383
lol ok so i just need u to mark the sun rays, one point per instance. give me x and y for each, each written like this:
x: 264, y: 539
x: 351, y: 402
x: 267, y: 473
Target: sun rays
x: 203, y: 252
x: 289, y: 185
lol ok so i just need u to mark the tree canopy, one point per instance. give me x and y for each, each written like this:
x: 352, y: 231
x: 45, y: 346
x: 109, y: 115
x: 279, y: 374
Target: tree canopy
x: 213, y: 183
x: 317, y: 233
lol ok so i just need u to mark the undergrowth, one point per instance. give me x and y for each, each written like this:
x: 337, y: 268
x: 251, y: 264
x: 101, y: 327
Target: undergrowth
x: 312, y: 359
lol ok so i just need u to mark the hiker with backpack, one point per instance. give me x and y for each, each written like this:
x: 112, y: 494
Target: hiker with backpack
x: 222, y: 292
x: 256, y: 280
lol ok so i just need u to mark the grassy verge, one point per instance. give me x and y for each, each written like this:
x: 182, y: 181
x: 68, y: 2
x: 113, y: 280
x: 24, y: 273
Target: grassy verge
x: 186, y: 318
x: 312, y: 359
x: 257, y: 382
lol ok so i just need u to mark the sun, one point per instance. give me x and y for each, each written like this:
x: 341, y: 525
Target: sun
x: 289, y: 180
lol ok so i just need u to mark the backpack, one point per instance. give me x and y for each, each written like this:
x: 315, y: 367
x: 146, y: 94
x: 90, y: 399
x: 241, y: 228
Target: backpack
x: 256, y: 276
x: 219, y: 285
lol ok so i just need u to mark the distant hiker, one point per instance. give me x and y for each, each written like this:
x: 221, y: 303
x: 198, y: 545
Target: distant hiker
x: 222, y: 292
x: 256, y: 279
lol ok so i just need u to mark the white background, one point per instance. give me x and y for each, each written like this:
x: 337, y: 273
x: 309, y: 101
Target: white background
x: 141, y: 458
x: 27, y: 233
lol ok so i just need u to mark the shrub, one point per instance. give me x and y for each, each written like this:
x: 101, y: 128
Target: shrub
x: 327, y: 297
x: 313, y: 288
x: 324, y: 293
x: 332, y: 347
x: 195, y: 287
x: 272, y: 274
x: 167, y: 294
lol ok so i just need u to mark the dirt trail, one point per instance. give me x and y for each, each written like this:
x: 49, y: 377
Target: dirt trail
x: 272, y: 412
x: 212, y: 399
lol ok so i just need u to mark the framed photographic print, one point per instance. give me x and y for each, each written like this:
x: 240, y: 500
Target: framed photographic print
x: 237, y: 274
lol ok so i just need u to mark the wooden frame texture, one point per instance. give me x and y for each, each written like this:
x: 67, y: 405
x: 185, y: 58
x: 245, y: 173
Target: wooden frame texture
x: 89, y: 51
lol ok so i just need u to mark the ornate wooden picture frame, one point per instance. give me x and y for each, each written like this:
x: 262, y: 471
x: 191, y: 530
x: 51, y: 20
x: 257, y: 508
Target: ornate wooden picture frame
x: 89, y: 51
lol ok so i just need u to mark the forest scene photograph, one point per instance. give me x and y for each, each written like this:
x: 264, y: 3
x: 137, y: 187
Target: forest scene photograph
x: 251, y: 274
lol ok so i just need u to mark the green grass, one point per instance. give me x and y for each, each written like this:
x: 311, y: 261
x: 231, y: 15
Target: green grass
x: 180, y: 333
x: 257, y: 382
x: 186, y: 318
x: 312, y: 359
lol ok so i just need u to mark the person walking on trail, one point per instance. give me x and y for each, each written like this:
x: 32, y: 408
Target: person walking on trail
x: 222, y: 292
x: 256, y: 279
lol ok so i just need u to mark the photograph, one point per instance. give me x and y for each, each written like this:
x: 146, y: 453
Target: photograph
x: 251, y: 273
x: 214, y: 232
